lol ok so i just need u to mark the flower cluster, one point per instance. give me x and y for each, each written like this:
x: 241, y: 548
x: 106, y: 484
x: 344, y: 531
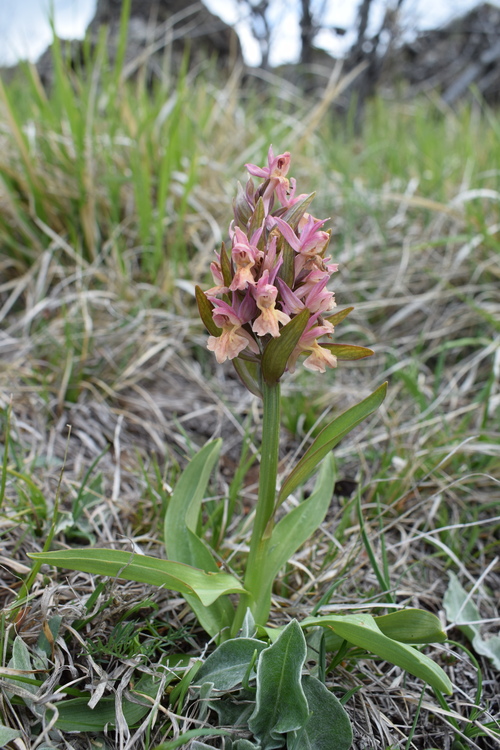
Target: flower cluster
x: 275, y: 270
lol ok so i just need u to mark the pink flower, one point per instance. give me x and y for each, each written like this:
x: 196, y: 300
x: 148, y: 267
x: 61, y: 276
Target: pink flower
x: 245, y: 254
x: 269, y: 319
x: 288, y: 199
x: 275, y: 172
x: 277, y: 166
x: 289, y: 300
x: 233, y: 338
x: 311, y: 241
x: 316, y: 297
x: 220, y: 287
x: 319, y: 358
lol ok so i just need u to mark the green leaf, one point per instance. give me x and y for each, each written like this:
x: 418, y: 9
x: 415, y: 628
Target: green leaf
x: 348, y: 351
x: 205, y: 308
x: 281, y: 705
x: 287, y: 269
x: 181, y: 541
x: 248, y: 374
x: 75, y: 715
x: 7, y: 735
x: 278, y: 350
x: 258, y: 217
x: 187, y: 736
x: 248, y: 628
x: 21, y: 662
x: 328, y: 726
x: 233, y: 710
x: 328, y: 439
x: 361, y: 630
x: 339, y: 316
x: 412, y: 626
x: 460, y: 608
x: 293, y: 215
x: 225, y: 264
x: 299, y: 524
x: 229, y: 663
x: 205, y: 587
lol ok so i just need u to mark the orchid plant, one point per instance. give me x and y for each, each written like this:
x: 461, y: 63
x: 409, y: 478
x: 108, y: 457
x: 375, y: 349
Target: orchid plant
x: 270, y: 309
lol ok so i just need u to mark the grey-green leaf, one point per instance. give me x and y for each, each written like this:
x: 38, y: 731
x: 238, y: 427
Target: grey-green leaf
x: 228, y: 664
x: 412, y: 626
x: 460, y: 608
x: 281, y: 704
x: 181, y: 542
x: 328, y: 726
x: 7, y: 735
x: 187, y: 580
x: 362, y: 630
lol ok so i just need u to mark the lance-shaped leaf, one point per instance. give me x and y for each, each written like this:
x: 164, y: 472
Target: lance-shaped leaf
x: 205, y: 587
x: 225, y: 264
x: 257, y: 220
x: 328, y: 439
x: 412, y: 626
x: 287, y: 269
x: 348, y: 351
x: 242, y: 210
x: 293, y: 215
x: 278, y: 350
x: 181, y: 540
x: 362, y: 630
x: 339, y: 316
x: 248, y: 374
x: 205, y: 308
x: 280, y: 705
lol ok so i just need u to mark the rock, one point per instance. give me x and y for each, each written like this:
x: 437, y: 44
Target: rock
x: 464, y: 52
x: 156, y: 29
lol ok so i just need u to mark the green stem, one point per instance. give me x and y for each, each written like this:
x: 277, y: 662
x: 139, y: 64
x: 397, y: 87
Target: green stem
x: 259, y: 590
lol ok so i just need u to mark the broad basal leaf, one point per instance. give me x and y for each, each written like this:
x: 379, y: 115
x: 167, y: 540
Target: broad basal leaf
x: 361, y: 630
x: 412, y: 626
x: 462, y: 611
x: 205, y: 587
x: 328, y: 726
x: 281, y: 705
x: 229, y: 663
x: 181, y: 541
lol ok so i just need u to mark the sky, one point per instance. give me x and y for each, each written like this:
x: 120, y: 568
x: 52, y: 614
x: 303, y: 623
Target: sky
x: 25, y: 29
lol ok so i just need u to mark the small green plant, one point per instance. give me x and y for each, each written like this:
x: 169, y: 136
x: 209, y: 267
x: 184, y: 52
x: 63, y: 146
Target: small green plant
x: 269, y: 307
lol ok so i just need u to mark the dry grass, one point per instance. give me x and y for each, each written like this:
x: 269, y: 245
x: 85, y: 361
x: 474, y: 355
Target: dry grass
x: 107, y: 370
